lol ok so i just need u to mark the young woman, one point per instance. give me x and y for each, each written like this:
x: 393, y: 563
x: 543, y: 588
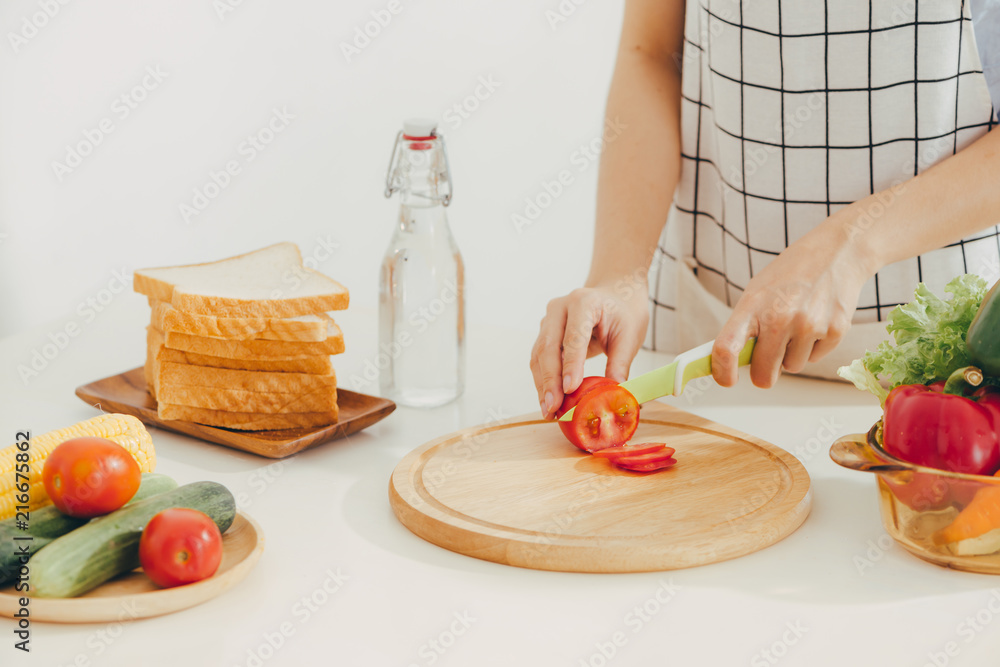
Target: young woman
x: 813, y: 161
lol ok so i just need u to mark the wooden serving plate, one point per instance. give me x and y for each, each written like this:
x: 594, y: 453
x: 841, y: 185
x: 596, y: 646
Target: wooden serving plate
x: 126, y: 393
x: 134, y: 595
x: 519, y: 494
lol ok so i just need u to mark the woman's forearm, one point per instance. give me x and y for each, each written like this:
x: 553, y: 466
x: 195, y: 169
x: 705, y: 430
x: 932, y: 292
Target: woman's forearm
x: 801, y: 304
x: 952, y: 200
x: 639, y: 166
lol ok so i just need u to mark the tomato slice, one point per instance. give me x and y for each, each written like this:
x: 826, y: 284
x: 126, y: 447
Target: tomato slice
x: 570, y: 400
x: 606, y: 416
x: 641, y: 459
x: 648, y: 467
x: 615, y: 453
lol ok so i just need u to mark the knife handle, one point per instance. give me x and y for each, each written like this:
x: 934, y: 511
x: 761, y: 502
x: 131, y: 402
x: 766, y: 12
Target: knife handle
x: 697, y: 363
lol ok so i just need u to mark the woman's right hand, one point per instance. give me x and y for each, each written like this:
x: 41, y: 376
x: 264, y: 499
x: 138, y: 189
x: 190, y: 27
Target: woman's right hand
x: 605, y: 318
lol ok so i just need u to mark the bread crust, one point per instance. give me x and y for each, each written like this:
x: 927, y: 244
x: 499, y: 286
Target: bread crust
x: 167, y: 318
x: 253, y: 349
x: 225, y: 378
x: 248, y: 421
x: 239, y: 400
x: 315, y: 364
x: 279, y: 305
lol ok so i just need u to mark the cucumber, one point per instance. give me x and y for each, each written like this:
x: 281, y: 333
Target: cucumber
x: 108, y: 546
x: 48, y: 523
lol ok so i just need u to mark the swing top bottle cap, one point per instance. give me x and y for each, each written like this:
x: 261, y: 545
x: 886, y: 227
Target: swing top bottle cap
x: 419, y: 128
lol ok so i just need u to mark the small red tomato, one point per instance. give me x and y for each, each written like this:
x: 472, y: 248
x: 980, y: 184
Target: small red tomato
x: 180, y: 546
x: 87, y: 477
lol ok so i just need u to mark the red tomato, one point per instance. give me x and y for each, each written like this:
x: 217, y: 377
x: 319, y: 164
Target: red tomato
x: 180, y: 546
x: 615, y: 453
x: 570, y: 401
x: 606, y: 416
x: 90, y: 476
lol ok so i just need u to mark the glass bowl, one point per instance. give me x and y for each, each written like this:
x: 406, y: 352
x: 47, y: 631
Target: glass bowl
x: 921, y: 506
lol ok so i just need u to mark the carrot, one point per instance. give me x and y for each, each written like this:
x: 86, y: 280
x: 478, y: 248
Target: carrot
x: 979, y: 517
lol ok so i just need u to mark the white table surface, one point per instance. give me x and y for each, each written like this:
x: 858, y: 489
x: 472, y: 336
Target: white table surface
x: 836, y: 592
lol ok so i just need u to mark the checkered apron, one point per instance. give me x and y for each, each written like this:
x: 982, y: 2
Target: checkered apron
x: 792, y: 109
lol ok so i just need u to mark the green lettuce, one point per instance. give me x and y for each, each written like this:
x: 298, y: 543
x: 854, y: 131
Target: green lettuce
x: 928, y: 339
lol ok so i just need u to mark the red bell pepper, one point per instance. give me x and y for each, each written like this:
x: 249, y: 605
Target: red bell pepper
x: 938, y: 427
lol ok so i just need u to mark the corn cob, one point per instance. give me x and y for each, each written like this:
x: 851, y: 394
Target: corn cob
x: 125, y: 430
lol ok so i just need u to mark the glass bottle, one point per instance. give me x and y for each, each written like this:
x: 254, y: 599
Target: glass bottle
x: 421, y: 287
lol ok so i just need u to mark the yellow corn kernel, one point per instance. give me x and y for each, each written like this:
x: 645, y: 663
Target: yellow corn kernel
x: 125, y: 430
x: 37, y: 497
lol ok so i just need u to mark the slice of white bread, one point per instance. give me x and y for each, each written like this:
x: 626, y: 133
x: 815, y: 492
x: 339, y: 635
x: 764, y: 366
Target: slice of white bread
x: 248, y: 421
x: 323, y: 399
x: 224, y: 378
x: 254, y: 349
x: 270, y: 282
x: 316, y: 364
x: 302, y: 328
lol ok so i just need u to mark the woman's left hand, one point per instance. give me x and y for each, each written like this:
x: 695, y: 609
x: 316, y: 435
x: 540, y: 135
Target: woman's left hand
x: 799, y: 307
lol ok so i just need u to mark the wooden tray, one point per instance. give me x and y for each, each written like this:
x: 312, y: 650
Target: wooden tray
x: 133, y: 595
x: 518, y: 493
x: 126, y: 393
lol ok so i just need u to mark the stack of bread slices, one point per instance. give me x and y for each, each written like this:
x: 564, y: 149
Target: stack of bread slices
x: 245, y: 342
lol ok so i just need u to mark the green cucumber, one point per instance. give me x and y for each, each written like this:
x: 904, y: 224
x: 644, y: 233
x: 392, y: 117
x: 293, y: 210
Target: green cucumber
x: 108, y: 546
x: 983, y: 336
x: 48, y: 523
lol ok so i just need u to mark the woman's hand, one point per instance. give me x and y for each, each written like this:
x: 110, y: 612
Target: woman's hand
x: 799, y: 307
x: 590, y: 320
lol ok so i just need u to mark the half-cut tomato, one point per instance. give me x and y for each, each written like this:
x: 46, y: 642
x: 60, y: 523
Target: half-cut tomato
x: 570, y: 400
x: 605, y: 416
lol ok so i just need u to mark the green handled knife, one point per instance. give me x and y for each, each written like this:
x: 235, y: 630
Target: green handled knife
x: 671, y: 379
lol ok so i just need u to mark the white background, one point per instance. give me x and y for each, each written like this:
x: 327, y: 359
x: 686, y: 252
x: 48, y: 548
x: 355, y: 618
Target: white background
x: 322, y: 177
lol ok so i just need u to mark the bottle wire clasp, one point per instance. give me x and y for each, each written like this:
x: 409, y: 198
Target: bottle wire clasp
x: 392, y: 180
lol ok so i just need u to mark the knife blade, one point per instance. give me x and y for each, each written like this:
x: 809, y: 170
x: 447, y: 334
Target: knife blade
x: 671, y: 379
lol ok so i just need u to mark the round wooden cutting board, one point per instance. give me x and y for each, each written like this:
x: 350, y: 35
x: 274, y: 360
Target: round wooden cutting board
x: 518, y: 493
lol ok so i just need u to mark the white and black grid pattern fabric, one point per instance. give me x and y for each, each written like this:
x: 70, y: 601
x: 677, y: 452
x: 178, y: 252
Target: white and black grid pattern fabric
x: 792, y: 109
